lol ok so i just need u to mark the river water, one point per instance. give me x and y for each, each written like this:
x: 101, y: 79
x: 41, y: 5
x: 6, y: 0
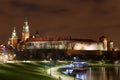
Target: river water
x: 100, y: 73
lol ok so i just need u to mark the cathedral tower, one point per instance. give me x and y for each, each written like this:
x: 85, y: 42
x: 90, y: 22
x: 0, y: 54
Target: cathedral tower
x: 25, y: 32
x: 14, y: 39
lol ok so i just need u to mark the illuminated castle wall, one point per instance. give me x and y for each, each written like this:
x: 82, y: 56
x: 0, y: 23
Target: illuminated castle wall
x: 65, y: 43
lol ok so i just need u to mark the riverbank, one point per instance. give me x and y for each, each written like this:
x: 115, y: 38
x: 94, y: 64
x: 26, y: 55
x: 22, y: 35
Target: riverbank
x: 57, y: 74
x: 36, y: 70
x: 102, y: 64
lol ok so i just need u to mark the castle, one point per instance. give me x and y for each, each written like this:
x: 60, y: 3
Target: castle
x: 39, y: 46
x: 37, y: 42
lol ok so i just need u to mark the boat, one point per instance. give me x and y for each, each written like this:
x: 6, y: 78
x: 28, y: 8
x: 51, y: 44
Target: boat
x: 75, y: 67
x: 80, y: 66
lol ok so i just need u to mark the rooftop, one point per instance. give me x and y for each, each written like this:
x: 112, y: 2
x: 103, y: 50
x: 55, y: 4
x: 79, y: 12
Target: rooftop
x: 59, y: 39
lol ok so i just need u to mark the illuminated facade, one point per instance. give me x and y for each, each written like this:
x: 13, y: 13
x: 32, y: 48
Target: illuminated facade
x: 61, y: 43
x: 66, y: 43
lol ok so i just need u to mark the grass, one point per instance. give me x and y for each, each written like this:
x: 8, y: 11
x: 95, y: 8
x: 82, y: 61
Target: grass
x: 102, y: 64
x: 25, y: 71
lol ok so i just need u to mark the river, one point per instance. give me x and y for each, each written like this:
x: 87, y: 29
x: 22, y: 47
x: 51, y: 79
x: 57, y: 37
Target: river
x: 100, y: 73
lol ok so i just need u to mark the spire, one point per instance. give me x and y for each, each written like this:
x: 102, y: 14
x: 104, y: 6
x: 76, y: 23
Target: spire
x: 14, y: 35
x: 26, y: 22
x: 14, y: 30
x: 26, y: 26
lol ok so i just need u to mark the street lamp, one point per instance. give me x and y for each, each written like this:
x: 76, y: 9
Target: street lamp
x: 44, y: 66
x: 50, y: 66
x: 75, y: 74
x: 74, y: 77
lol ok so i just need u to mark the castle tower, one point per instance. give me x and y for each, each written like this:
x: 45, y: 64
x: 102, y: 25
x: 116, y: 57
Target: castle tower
x: 25, y: 32
x: 14, y: 39
x: 110, y: 45
x: 104, y: 41
x: 37, y: 35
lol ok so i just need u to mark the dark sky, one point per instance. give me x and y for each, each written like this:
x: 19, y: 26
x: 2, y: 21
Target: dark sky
x: 75, y: 18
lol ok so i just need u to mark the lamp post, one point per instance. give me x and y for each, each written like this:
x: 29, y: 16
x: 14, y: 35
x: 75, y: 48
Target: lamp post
x: 50, y: 66
x: 75, y: 74
x: 74, y: 77
x: 44, y: 66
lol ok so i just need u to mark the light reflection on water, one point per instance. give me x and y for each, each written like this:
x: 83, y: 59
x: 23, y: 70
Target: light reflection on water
x: 81, y: 76
x: 98, y: 73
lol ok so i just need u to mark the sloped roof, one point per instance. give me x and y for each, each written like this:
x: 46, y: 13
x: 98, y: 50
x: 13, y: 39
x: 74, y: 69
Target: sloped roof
x: 59, y: 39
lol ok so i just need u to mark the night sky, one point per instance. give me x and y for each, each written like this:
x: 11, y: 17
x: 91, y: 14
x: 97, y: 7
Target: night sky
x: 76, y: 18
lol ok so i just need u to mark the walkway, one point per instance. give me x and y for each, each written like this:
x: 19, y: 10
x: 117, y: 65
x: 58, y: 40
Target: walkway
x: 55, y: 73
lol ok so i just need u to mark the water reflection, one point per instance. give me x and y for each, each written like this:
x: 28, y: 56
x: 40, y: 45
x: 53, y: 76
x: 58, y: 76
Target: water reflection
x: 81, y: 76
x: 97, y: 73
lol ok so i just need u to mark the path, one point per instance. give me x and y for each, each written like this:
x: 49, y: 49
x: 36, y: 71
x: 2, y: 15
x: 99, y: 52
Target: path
x: 55, y: 73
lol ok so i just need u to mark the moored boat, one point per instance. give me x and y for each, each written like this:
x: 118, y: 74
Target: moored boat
x: 79, y: 66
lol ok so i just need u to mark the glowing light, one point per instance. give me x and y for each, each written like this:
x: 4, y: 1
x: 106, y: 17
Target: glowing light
x: 81, y: 76
x: 79, y: 46
x: 91, y: 47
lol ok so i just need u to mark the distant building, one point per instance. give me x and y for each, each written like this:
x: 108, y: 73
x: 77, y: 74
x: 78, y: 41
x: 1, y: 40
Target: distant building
x: 5, y: 54
x: 1, y: 53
